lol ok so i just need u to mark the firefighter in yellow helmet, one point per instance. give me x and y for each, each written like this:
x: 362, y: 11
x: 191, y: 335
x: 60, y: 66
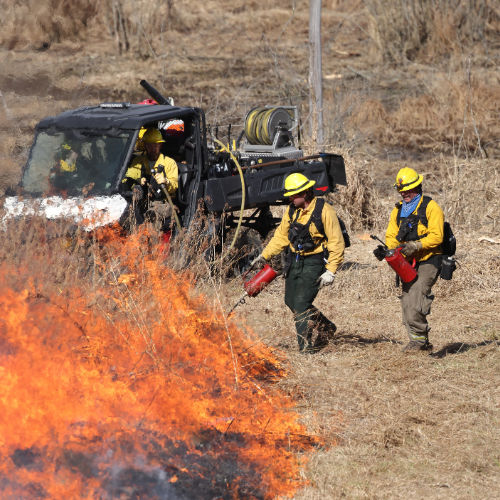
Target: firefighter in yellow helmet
x: 416, y: 224
x: 310, y: 233
x: 147, y: 177
x: 68, y: 156
x: 139, y: 143
x: 64, y: 170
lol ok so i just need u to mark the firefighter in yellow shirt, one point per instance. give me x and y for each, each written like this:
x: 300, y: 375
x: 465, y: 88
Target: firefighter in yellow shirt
x: 68, y: 156
x: 148, y: 175
x: 310, y: 232
x: 416, y: 224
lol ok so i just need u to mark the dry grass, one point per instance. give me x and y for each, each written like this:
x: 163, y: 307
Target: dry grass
x: 445, y: 105
x: 453, y: 113
x: 394, y: 426
x: 471, y: 197
x: 399, y: 426
x: 40, y: 24
x: 408, y: 30
x: 357, y: 203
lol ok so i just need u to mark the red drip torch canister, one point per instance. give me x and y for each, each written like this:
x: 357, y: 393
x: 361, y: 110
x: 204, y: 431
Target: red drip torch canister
x: 165, y: 242
x: 255, y: 285
x: 400, y: 265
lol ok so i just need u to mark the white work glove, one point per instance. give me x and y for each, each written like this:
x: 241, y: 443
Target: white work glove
x: 161, y: 179
x: 326, y: 279
x: 257, y: 259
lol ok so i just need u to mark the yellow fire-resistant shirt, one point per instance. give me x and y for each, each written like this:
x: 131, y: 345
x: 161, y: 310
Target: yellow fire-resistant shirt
x: 140, y: 168
x: 432, y: 235
x: 332, y: 238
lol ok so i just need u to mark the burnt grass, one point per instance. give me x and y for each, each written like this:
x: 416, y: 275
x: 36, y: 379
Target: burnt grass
x: 164, y: 468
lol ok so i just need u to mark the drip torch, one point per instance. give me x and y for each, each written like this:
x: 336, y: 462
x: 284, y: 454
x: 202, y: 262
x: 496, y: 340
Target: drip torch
x: 256, y: 284
x: 396, y: 260
x: 161, y: 188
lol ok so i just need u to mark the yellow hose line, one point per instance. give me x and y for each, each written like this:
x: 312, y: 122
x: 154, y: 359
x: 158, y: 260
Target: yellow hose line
x: 238, y: 227
x: 172, y: 207
x: 265, y: 126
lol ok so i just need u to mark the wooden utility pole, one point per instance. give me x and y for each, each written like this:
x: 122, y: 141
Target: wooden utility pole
x: 315, y: 72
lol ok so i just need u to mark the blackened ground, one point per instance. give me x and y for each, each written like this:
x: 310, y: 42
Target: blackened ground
x: 164, y: 469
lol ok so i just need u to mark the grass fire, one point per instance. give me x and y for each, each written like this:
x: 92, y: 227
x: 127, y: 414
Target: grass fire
x: 138, y: 389
x: 140, y: 360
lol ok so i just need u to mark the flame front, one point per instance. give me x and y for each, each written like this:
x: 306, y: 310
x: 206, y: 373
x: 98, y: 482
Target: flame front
x: 137, y: 389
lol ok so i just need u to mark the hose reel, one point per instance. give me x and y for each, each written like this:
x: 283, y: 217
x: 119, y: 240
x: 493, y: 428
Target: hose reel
x: 263, y: 122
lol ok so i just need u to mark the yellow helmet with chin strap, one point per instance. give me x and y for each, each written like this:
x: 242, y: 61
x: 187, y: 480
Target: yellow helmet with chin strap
x: 296, y: 183
x: 152, y: 136
x: 407, y: 179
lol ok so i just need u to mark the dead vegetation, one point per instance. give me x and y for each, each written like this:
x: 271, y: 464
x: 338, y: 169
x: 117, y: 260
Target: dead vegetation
x: 358, y: 203
x: 40, y: 24
x: 404, y: 84
x: 446, y: 102
x: 399, y: 427
x: 452, y: 113
x: 425, y: 29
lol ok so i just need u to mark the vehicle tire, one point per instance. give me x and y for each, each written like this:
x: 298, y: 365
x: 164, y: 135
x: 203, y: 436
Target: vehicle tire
x: 247, y: 246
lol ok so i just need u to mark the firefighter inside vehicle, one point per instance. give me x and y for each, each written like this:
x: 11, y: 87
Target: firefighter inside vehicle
x: 152, y: 179
x: 73, y: 163
x: 79, y: 159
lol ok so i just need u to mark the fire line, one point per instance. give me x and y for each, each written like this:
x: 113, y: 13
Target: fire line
x: 129, y: 391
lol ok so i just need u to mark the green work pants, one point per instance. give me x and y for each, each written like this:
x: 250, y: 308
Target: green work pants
x: 416, y: 301
x: 301, y: 288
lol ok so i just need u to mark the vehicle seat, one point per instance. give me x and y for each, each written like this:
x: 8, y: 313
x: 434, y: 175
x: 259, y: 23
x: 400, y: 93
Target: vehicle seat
x: 173, y: 148
x: 189, y: 150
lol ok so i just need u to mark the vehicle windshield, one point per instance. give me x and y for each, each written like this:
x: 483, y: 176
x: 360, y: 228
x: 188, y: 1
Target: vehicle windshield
x: 72, y: 163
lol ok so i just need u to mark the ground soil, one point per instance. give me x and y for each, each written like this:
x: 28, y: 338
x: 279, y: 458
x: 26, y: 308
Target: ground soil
x: 394, y: 425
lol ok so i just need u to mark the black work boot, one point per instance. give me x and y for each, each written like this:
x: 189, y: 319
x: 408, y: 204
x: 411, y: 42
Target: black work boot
x: 309, y: 349
x: 414, y: 346
x: 302, y: 342
x: 321, y: 341
x: 323, y: 324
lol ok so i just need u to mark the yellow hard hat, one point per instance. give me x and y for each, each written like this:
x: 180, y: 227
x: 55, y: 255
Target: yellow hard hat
x: 296, y: 183
x: 139, y: 144
x: 407, y: 179
x: 152, y: 136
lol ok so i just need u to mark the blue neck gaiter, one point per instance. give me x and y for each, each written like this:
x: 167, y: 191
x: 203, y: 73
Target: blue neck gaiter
x: 408, y: 208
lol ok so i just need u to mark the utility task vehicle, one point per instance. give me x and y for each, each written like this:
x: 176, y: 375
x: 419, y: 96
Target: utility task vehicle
x: 79, y: 158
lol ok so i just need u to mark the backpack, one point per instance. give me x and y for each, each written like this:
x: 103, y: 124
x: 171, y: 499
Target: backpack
x: 316, y: 218
x: 449, y: 244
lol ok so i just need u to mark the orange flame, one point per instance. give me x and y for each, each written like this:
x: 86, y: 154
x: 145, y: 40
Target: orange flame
x: 138, y: 389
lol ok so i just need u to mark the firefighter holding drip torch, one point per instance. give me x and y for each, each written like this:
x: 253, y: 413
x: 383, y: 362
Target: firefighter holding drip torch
x: 416, y: 225
x: 311, y: 235
x: 151, y: 180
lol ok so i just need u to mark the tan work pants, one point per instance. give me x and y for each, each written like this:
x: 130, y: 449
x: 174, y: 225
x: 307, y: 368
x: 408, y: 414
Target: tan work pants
x: 416, y: 301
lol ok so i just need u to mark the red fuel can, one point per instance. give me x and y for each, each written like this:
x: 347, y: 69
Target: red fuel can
x: 165, y: 242
x: 255, y: 285
x: 400, y: 265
